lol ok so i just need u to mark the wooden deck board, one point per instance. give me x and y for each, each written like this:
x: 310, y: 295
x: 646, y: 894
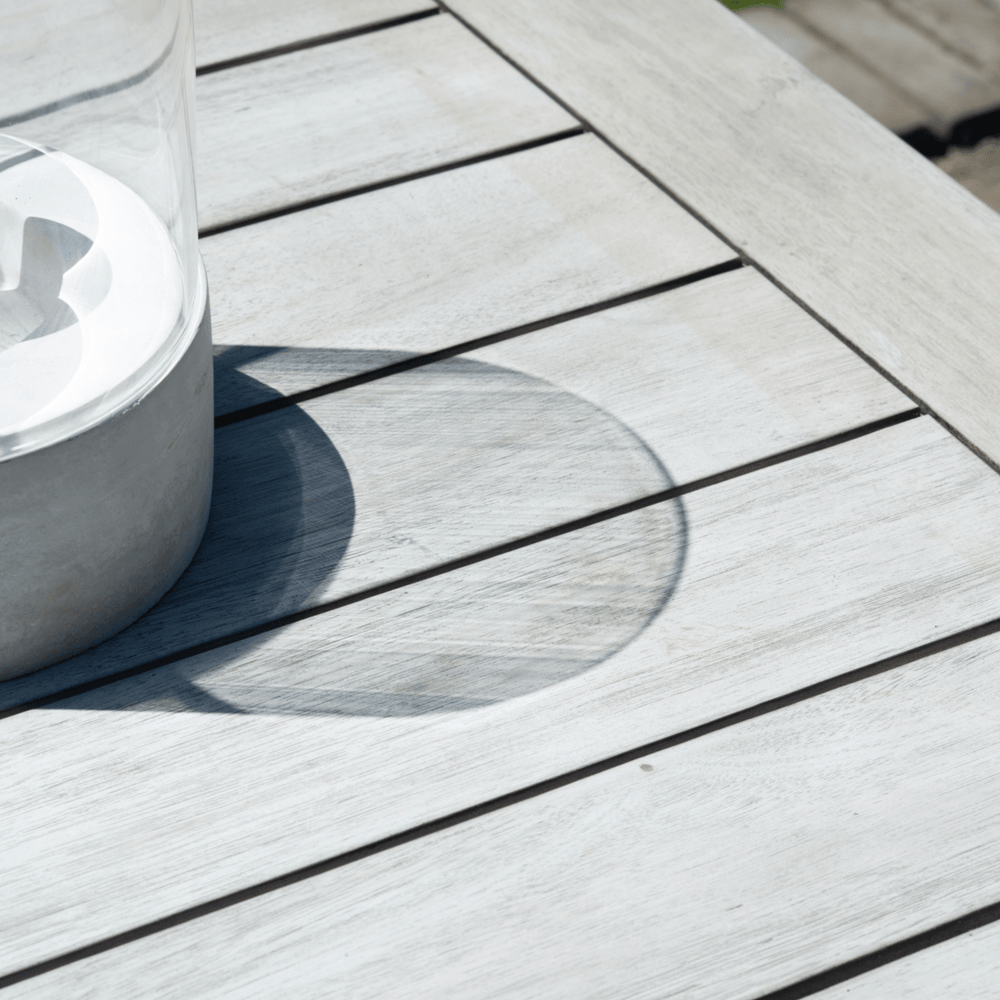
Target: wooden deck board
x: 884, y: 101
x: 772, y: 157
x: 970, y: 28
x: 977, y: 170
x: 129, y: 45
x: 446, y: 259
x: 363, y: 486
x: 229, y: 29
x: 246, y: 760
x: 356, y: 112
x: 950, y: 86
x: 966, y: 968
x: 708, y: 374
x: 788, y: 581
x: 727, y: 866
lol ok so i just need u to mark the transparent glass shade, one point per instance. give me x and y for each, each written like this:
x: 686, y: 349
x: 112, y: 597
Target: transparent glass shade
x: 101, y: 284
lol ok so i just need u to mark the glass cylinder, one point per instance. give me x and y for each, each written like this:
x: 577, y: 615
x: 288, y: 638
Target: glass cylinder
x: 101, y: 284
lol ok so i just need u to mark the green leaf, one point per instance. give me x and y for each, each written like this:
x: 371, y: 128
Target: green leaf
x: 740, y: 4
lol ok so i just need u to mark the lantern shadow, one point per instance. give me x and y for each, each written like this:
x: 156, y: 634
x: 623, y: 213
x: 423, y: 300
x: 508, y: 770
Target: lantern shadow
x: 284, y: 515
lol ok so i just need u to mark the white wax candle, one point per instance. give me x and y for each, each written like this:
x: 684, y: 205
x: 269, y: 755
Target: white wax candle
x: 90, y: 288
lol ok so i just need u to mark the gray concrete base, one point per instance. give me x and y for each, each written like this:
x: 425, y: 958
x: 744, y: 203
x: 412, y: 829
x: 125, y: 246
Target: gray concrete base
x: 95, y: 529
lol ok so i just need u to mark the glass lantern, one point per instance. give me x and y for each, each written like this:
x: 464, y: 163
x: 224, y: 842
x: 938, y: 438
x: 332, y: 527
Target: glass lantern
x: 100, y: 277
x: 105, y: 342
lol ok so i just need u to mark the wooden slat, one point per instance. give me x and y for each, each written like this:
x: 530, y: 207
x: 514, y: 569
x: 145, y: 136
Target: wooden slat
x: 888, y: 104
x: 968, y: 27
x: 966, y: 968
x: 728, y: 866
x: 898, y: 258
x: 49, y: 48
x: 656, y: 378
x: 793, y: 574
x: 977, y: 170
x: 229, y: 29
x: 953, y: 87
x: 355, y: 112
x: 408, y: 471
x: 684, y: 364
x: 442, y: 260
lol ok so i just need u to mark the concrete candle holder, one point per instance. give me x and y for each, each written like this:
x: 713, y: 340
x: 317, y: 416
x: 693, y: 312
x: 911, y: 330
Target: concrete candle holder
x: 105, y: 408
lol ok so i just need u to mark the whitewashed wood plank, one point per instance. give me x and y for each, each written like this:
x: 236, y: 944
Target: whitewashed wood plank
x: 965, y: 968
x: 859, y: 226
x: 655, y: 377
x: 887, y: 104
x: 968, y: 27
x: 729, y: 866
x: 438, y: 261
x: 687, y: 373
x: 48, y: 51
x: 977, y: 170
x: 229, y: 29
x: 362, y: 110
x: 924, y: 68
x: 792, y: 575
x: 365, y: 485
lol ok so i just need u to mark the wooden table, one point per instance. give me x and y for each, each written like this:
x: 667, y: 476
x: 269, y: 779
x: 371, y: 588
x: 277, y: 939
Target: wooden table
x: 602, y: 589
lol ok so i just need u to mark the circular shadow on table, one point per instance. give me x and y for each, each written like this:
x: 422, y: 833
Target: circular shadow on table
x: 496, y: 629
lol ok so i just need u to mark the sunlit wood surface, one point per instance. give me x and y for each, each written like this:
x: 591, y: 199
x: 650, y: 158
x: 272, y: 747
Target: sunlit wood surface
x: 582, y: 614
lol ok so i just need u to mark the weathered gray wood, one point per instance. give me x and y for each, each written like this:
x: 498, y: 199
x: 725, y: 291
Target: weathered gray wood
x: 970, y: 28
x: 421, y: 467
x: 48, y: 51
x: 793, y: 574
x: 362, y: 110
x: 442, y: 260
x: 663, y: 365
x: 886, y: 103
x: 728, y: 866
x: 966, y: 968
x: 977, y: 170
x: 228, y: 29
x: 899, y: 259
x: 683, y: 364
x: 952, y: 87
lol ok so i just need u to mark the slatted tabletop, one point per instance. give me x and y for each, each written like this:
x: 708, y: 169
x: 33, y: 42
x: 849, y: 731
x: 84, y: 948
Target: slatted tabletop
x: 601, y: 595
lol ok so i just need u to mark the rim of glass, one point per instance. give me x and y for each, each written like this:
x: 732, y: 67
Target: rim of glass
x: 127, y: 392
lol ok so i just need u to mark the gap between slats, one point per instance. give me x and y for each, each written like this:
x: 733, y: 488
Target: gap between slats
x: 741, y: 251
x: 804, y: 988
x: 422, y: 360
x: 620, y: 510
x: 314, y: 42
x: 328, y: 199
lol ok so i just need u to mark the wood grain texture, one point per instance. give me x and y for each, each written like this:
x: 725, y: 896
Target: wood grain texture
x: 966, y: 968
x: 774, y: 366
x: 951, y: 86
x: 708, y: 375
x: 436, y: 262
x: 368, y: 484
x: 899, y: 259
x: 885, y: 102
x: 728, y: 866
x: 48, y: 52
x: 359, y: 111
x: 228, y: 29
x: 312, y: 741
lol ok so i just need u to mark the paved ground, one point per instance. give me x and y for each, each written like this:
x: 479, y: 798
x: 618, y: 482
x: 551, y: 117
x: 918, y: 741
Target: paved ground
x: 926, y: 69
